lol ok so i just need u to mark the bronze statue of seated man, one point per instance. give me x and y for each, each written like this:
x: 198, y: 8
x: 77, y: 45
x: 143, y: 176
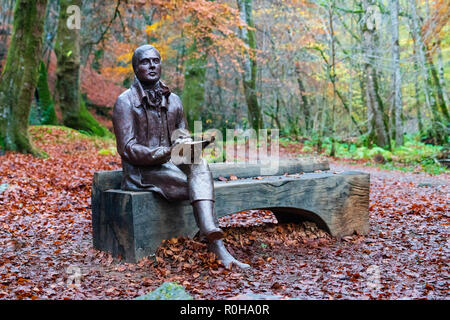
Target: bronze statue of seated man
x: 149, y: 123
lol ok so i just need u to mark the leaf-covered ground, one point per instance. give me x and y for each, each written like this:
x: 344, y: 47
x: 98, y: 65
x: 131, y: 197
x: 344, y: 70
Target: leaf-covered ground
x: 46, y: 239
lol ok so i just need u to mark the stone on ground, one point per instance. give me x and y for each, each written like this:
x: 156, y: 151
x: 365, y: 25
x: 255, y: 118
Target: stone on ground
x: 167, y: 291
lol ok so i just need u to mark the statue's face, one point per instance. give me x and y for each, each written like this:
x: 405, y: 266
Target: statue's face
x: 149, y: 67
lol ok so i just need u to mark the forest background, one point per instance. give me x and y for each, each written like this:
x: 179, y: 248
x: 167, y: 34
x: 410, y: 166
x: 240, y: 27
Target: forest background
x: 357, y: 79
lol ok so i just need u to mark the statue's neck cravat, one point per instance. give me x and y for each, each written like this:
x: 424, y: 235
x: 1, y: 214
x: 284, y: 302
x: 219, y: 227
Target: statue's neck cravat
x: 154, y: 96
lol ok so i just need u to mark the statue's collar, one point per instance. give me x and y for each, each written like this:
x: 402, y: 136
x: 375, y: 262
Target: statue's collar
x: 139, y: 93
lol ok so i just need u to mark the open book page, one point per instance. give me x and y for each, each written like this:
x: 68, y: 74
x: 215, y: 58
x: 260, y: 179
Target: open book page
x: 204, y: 143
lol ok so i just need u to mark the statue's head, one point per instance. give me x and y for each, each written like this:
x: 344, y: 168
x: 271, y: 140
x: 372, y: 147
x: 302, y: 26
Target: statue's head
x: 146, y: 63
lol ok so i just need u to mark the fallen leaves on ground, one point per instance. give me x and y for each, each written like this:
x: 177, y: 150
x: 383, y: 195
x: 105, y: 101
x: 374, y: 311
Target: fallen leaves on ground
x: 46, y: 247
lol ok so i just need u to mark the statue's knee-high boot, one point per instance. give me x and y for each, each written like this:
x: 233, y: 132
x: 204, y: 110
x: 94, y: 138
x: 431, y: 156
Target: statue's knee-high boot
x: 206, y: 219
x: 201, y: 195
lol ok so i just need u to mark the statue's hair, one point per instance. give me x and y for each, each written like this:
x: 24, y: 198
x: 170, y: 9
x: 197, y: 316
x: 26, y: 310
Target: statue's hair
x: 137, y: 54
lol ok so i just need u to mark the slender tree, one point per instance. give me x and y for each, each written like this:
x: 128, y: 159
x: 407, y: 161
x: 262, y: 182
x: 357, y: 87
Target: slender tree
x: 250, y: 64
x: 332, y: 73
x: 303, y: 98
x: 437, y: 127
x: 375, y: 105
x: 193, y: 95
x: 397, y: 109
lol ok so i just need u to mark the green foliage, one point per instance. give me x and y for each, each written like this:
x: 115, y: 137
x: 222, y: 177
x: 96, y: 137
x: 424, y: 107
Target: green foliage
x: 2, y: 145
x: 429, y: 134
x: 209, y: 153
x: 307, y: 149
x: 365, y: 140
x: 284, y: 141
x: 127, y: 82
x: 412, y: 154
x: 167, y: 291
x: 193, y: 96
x: 427, y: 166
x: 96, y: 63
x: 107, y: 152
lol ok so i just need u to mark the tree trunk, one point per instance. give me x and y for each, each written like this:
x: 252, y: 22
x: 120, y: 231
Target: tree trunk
x: 67, y: 48
x: 437, y: 85
x: 441, y: 73
x: 304, y: 100
x: 374, y: 103
x: 5, y: 31
x: 193, y: 96
x: 437, y: 128
x: 20, y: 75
x: 338, y: 93
x: 250, y: 65
x: 416, y: 93
x: 332, y: 77
x: 397, y: 109
x: 43, y: 112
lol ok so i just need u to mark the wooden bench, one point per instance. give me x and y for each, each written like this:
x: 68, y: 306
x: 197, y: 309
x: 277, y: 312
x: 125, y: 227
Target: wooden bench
x: 131, y: 225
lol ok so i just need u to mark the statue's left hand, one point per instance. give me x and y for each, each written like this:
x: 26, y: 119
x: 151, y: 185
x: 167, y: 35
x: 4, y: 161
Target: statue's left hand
x: 181, y: 140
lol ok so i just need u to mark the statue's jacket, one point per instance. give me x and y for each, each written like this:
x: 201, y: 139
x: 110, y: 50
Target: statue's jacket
x: 144, y: 151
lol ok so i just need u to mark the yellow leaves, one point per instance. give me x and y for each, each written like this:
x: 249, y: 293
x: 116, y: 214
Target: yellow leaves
x: 300, y: 12
x: 165, y: 32
x: 117, y: 70
x: 120, y: 68
x: 159, y: 28
x: 125, y: 57
x: 210, y: 23
x: 152, y: 29
x: 164, y: 49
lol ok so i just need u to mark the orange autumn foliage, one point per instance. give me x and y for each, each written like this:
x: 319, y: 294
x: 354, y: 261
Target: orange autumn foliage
x: 177, y: 24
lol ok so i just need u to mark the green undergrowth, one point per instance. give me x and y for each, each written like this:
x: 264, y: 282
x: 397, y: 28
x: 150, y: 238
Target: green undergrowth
x: 433, y: 168
x: 413, y: 155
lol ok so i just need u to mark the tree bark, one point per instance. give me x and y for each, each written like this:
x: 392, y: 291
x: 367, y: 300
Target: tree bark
x: 416, y: 93
x: 43, y: 112
x: 437, y: 128
x: 397, y: 128
x: 20, y: 75
x: 441, y: 73
x: 67, y: 48
x: 250, y: 65
x: 304, y: 100
x: 374, y: 103
x: 440, y: 100
x: 332, y: 77
x: 193, y: 96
